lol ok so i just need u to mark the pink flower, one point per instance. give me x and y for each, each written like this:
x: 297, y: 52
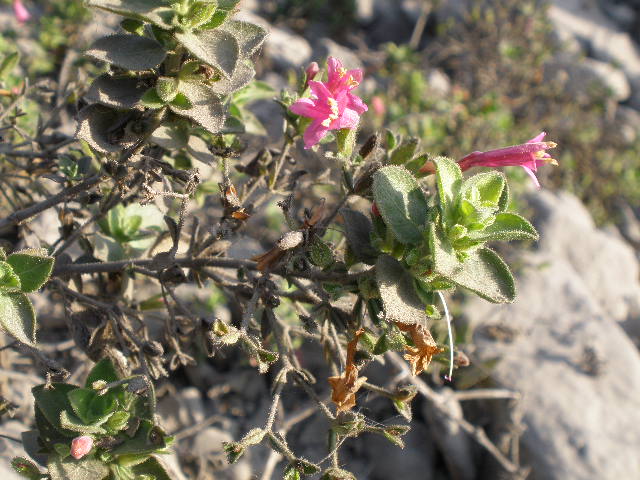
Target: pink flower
x: 378, y: 106
x: 529, y: 156
x: 332, y: 106
x: 21, y: 13
x: 80, y: 446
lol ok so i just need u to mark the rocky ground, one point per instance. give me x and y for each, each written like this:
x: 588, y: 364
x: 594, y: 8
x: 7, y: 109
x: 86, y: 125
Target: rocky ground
x: 568, y: 346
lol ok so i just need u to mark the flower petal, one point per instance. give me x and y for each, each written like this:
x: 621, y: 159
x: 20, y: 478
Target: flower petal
x: 308, y: 108
x: 348, y: 119
x: 533, y: 177
x: 357, y: 104
x: 314, y: 133
x: 538, y: 138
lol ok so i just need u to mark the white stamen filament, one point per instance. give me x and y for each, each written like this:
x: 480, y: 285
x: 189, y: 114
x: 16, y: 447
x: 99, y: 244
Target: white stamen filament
x: 447, y: 316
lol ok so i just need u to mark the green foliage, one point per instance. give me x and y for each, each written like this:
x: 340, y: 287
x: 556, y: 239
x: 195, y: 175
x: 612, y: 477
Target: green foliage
x: 114, y: 412
x: 401, y: 202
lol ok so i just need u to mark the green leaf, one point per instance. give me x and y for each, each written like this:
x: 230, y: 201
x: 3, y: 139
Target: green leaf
x: 103, y: 370
x: 215, y: 47
x: 80, y: 400
x: 52, y: 402
x: 131, y: 52
x: 154, y: 468
x: 69, y: 421
x: 358, y: 229
x: 200, y: 13
x: 506, y: 227
x: 18, y: 317
x: 151, y: 99
x: 25, y: 468
x: 157, y: 12
x: 405, y: 152
x: 9, y: 281
x: 216, y: 20
x: 320, y: 254
x: 70, y: 469
x: 482, y: 271
x: 449, y: 181
x: 256, y: 90
x: 250, y: 36
x: 253, y: 437
x: 206, y: 107
x: 147, y: 439
x: 401, y: 203
x: 115, y: 92
x: 484, y: 188
x: 167, y: 88
x: 401, y: 302
x: 8, y: 64
x: 241, y: 77
x: 181, y: 102
x: 33, y: 266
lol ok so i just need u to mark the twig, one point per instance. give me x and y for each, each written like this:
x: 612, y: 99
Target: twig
x: 437, y: 401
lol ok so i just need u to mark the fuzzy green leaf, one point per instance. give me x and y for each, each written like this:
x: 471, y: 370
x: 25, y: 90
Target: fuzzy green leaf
x: 241, y: 77
x: 405, y: 152
x: 167, y: 88
x: 153, y: 467
x: 482, y: 271
x: 215, y: 47
x: 399, y: 297
x: 115, y: 92
x: 401, y: 203
x: 18, y: 317
x: 70, y: 469
x: 157, y: 12
x: 52, y: 402
x: 250, y: 36
x: 33, y: 266
x: 206, y: 107
x: 506, y: 227
x: 449, y: 181
x: 484, y: 188
x: 71, y: 422
x: 358, y: 229
x: 130, y: 52
x: 9, y: 281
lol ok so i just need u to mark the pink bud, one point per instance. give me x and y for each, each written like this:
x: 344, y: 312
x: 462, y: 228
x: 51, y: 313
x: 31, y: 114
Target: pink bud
x: 312, y: 70
x: 80, y: 446
x: 21, y: 13
x: 378, y: 106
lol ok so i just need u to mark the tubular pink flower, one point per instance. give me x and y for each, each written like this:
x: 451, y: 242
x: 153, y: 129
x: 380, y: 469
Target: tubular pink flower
x: 332, y: 106
x: 20, y: 11
x: 529, y: 156
x: 80, y: 446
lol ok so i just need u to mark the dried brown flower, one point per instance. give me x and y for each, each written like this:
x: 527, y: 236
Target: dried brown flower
x: 425, y: 347
x: 345, y: 386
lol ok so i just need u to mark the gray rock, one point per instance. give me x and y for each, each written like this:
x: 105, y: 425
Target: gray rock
x: 582, y: 77
x: 586, y: 22
x: 627, y: 121
x: 208, y: 447
x: 606, y: 263
x: 578, y: 371
x: 328, y: 48
x: 287, y: 50
x: 365, y: 10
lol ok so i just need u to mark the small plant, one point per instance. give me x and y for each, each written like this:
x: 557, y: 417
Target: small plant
x: 105, y: 429
x: 161, y: 132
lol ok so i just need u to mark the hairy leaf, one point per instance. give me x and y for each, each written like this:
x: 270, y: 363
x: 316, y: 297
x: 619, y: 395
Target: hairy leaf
x: 358, y: 229
x: 33, y: 266
x: 250, y: 36
x: 17, y: 317
x: 115, y: 92
x: 206, y: 107
x: 507, y: 226
x: 131, y: 52
x: 217, y: 48
x: 401, y: 203
x: 399, y: 297
x: 157, y: 12
x: 70, y: 469
x: 449, y: 181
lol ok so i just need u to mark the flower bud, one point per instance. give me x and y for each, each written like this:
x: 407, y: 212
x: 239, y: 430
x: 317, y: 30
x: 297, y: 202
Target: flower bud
x: 312, y: 70
x: 80, y: 446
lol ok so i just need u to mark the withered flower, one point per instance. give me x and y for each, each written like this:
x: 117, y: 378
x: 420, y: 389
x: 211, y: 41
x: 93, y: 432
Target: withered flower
x: 345, y: 386
x: 425, y: 347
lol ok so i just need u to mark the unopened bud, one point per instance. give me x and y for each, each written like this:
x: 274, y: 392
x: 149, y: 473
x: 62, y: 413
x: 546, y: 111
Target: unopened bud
x: 80, y: 446
x: 312, y: 70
